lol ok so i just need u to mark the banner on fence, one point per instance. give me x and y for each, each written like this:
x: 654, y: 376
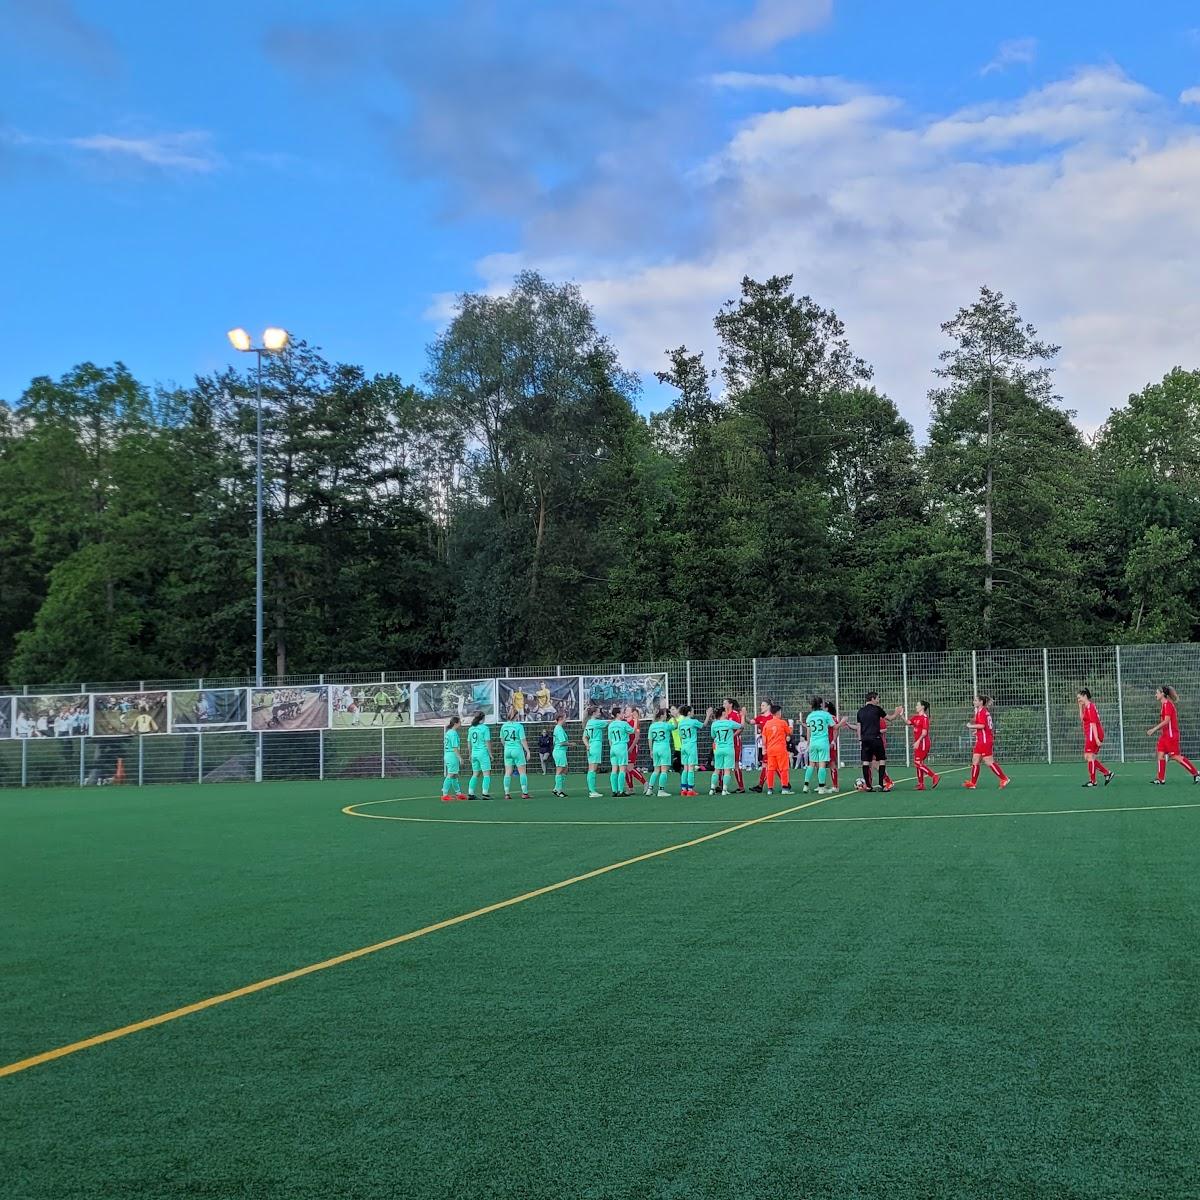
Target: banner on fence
x: 643, y: 692
x: 370, y: 705
x: 53, y: 716
x: 6, y: 711
x: 209, y: 710
x: 121, y: 714
x: 539, y: 699
x: 436, y: 703
x: 279, y: 709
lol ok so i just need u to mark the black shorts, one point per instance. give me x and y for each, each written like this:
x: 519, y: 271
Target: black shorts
x: 873, y: 748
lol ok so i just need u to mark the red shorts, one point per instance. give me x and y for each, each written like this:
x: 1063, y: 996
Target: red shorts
x: 1168, y: 745
x: 984, y: 746
x: 920, y: 755
x: 1091, y: 746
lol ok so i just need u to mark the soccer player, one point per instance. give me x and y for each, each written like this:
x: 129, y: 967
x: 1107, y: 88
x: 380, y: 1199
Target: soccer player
x: 560, y: 757
x: 835, y: 752
x: 659, y: 737
x: 871, y: 736
x: 725, y: 732
x: 382, y: 703
x: 775, y: 750
x: 764, y: 715
x: 516, y: 756
x: 922, y: 744
x: 1093, y: 738
x: 689, y: 750
x: 817, y: 723
x: 984, y: 743
x: 733, y: 712
x: 479, y: 737
x: 593, y: 736
x: 517, y: 705
x: 452, y: 762
x: 542, y: 696
x: 144, y: 722
x: 545, y: 746
x: 619, y: 733
x: 1168, y: 735
x: 631, y: 717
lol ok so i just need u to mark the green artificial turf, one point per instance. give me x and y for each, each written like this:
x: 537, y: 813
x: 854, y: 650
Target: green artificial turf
x: 1000, y: 1006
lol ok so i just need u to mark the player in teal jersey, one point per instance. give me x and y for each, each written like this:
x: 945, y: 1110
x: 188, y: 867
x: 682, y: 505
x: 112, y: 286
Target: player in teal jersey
x: 818, y: 723
x: 724, y: 731
x: 659, y: 737
x: 560, y: 756
x: 619, y: 733
x: 593, y: 736
x: 516, y: 755
x: 479, y: 737
x: 689, y: 750
x: 452, y: 762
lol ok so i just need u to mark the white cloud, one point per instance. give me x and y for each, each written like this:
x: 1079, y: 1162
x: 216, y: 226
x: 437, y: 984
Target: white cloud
x: 1018, y: 52
x: 832, y: 87
x: 775, y: 21
x: 1190, y: 96
x: 895, y: 220
x: 192, y: 151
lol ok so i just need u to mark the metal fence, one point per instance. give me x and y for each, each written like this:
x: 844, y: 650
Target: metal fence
x: 1033, y: 694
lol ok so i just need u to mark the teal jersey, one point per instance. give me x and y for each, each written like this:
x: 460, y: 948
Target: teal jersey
x: 723, y: 733
x: 818, y: 724
x: 512, y: 733
x: 560, y: 735
x: 619, y: 733
x: 689, y: 732
x: 478, y: 737
x: 450, y: 742
x: 593, y: 734
x: 659, y: 735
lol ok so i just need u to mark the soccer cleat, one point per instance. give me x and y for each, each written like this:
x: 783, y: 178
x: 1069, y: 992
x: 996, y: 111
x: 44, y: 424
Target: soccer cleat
x: 787, y: 792
x: 462, y: 796
x: 1004, y: 783
x: 1159, y: 782
x: 1089, y: 783
x: 595, y: 796
x: 969, y: 785
x: 888, y: 785
x: 806, y: 789
x: 524, y: 795
x: 920, y: 787
x: 935, y: 781
x: 446, y: 799
x: 1196, y: 778
x: 661, y: 792
x: 757, y: 787
x: 820, y: 791
x: 1108, y: 778
x: 726, y: 792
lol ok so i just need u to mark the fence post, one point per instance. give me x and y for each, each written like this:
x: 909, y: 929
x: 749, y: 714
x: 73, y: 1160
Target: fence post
x: 82, y: 749
x: 974, y: 674
x: 24, y: 763
x: 382, y: 750
x: 321, y: 754
x: 753, y: 685
x: 622, y: 668
x: 1120, y: 706
x: 445, y: 674
x: 837, y: 688
x: 257, y: 755
x: 904, y: 674
x: 558, y: 670
x: 200, y: 758
x: 382, y: 677
x: 689, y: 681
x: 1046, y: 681
x: 141, y: 758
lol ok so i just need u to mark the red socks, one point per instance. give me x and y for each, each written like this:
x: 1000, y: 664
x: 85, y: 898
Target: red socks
x: 974, y: 774
x: 1091, y: 770
x: 1162, y: 769
x: 1187, y: 766
x: 999, y: 774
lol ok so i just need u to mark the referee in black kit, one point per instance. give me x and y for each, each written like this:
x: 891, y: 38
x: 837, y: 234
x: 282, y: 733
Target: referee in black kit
x: 870, y: 733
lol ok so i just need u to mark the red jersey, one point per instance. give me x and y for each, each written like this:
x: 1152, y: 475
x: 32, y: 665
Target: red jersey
x: 737, y: 737
x: 1168, y: 714
x: 920, y: 728
x: 760, y: 722
x: 1093, y: 730
x: 984, y: 735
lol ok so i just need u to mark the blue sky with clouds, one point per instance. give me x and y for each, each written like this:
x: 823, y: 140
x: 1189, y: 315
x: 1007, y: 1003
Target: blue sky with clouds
x: 346, y: 168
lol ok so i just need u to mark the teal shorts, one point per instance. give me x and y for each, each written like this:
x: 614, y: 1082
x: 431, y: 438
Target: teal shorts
x: 595, y: 755
x: 660, y: 759
x: 723, y: 760
x: 481, y: 762
x: 453, y: 762
x: 818, y: 752
x: 514, y: 756
x: 560, y: 757
x: 618, y: 756
x: 690, y: 754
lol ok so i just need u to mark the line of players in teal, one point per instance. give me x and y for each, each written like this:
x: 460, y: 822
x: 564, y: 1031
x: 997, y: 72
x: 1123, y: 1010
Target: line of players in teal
x: 602, y: 727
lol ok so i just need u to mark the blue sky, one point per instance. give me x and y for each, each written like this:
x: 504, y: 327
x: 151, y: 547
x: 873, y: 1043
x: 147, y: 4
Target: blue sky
x: 344, y: 169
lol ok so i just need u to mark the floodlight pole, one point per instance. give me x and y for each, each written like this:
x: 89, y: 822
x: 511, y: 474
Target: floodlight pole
x: 258, y: 525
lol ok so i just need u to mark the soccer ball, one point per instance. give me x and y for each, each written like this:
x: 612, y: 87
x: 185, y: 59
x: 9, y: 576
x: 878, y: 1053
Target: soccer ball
x: 859, y: 786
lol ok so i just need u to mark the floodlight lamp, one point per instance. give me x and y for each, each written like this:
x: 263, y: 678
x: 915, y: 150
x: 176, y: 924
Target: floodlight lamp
x: 275, y: 339
x: 240, y: 339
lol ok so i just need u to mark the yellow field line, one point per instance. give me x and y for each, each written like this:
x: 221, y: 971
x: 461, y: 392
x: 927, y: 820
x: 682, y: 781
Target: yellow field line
x: 212, y: 1001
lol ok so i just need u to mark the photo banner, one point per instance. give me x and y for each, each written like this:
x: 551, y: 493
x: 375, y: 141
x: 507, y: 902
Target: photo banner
x: 370, y: 705
x: 122, y: 714
x: 6, y: 716
x: 539, y: 698
x: 280, y: 709
x: 436, y: 703
x: 646, y: 693
x: 60, y: 716
x: 209, y: 710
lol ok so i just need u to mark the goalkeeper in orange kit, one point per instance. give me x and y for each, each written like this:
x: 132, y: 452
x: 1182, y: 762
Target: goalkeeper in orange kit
x: 776, y: 760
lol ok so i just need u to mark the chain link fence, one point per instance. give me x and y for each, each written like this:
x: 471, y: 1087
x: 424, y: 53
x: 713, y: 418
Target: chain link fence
x: 1033, y: 698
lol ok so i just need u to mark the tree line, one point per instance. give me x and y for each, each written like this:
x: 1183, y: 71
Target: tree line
x: 515, y: 507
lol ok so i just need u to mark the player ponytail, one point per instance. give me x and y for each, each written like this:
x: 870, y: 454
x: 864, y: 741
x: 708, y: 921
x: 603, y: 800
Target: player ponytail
x: 984, y: 701
x: 776, y: 709
x: 477, y: 719
x: 1170, y: 693
x: 924, y: 704
x: 831, y: 708
x: 817, y: 703
x: 454, y: 721
x: 1085, y: 693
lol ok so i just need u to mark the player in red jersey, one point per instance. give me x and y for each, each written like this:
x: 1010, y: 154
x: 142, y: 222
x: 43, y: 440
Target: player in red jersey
x: 984, y: 743
x: 1093, y: 738
x: 733, y: 712
x: 1168, y: 735
x: 839, y: 723
x: 632, y: 772
x: 922, y: 744
x: 764, y: 715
